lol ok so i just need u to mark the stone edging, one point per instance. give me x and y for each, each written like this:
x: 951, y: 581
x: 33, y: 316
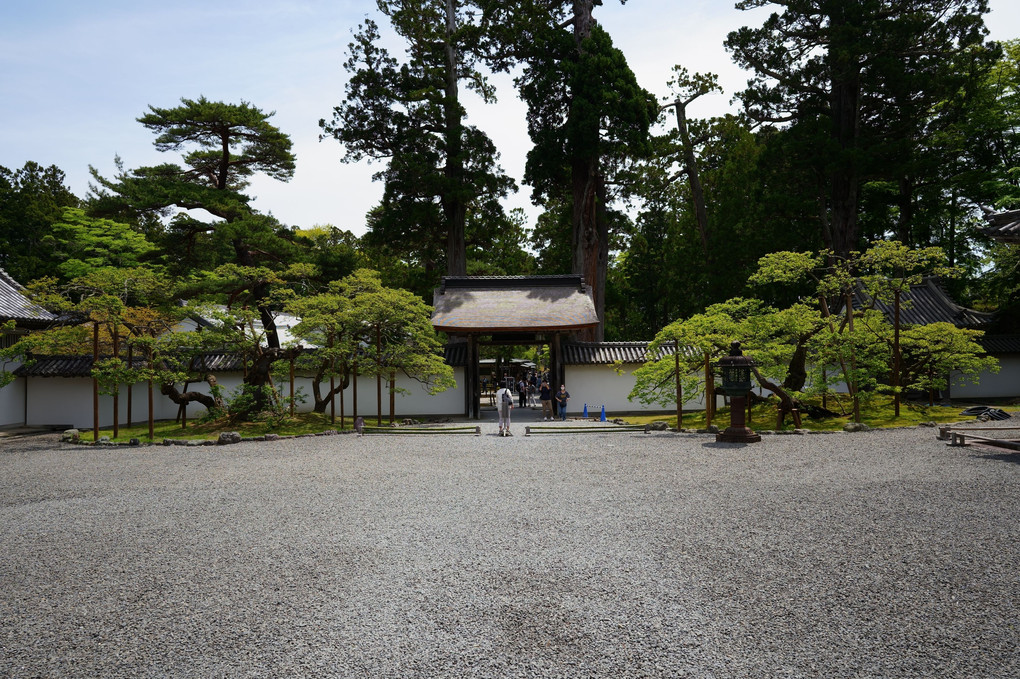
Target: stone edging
x: 228, y: 438
x: 225, y: 438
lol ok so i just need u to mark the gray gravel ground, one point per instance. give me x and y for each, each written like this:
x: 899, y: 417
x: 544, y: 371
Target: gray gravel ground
x: 877, y: 554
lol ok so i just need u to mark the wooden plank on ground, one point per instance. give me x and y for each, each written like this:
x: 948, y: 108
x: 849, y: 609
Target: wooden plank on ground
x: 474, y: 431
x: 613, y: 429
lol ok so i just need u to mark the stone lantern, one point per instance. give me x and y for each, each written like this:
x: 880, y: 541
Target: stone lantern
x: 736, y: 383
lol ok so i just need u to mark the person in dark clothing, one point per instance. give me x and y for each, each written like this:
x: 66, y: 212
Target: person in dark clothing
x: 562, y: 396
x: 522, y: 392
x: 545, y: 395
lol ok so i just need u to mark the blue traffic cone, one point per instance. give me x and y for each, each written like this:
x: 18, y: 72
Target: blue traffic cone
x: 585, y: 414
x: 603, y: 418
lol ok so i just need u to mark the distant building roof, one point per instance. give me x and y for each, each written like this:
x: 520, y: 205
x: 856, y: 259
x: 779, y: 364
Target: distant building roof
x: 1003, y: 226
x: 1000, y: 344
x: 579, y: 353
x: 927, y: 302
x: 506, y: 304
x: 15, y: 306
x: 605, y: 353
x: 56, y: 366
x: 81, y: 366
x: 284, y: 324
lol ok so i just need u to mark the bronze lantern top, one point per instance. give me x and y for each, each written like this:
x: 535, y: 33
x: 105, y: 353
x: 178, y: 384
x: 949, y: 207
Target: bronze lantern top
x: 735, y: 370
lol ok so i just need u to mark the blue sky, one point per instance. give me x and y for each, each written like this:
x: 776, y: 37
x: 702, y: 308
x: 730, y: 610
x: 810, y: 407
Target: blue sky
x: 75, y: 75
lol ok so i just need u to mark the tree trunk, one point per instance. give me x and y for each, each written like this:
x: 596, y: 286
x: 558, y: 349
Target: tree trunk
x: 796, y: 374
x: 454, y: 205
x: 258, y: 377
x: 170, y: 390
x: 844, y: 69
x: 897, y: 358
x: 323, y: 401
x: 679, y: 388
x: 589, y: 226
x: 852, y: 384
x: 693, y: 179
x: 590, y: 237
x: 95, y: 382
x: 904, y: 230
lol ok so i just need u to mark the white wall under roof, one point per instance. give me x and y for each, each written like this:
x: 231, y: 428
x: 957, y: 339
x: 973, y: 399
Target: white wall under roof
x: 67, y: 401
x: 12, y: 404
x: 599, y: 385
x: 60, y: 401
x: 1003, y: 384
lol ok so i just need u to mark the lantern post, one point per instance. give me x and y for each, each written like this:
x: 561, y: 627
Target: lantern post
x: 736, y: 383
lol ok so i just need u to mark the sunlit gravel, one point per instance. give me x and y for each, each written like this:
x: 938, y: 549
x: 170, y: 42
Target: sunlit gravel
x: 874, y: 554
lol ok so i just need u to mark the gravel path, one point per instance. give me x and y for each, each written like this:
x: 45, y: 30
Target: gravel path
x: 878, y: 554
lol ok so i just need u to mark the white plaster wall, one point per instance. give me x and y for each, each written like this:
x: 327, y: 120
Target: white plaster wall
x: 599, y: 385
x: 60, y: 401
x: 416, y: 402
x: 1005, y: 383
x: 12, y: 403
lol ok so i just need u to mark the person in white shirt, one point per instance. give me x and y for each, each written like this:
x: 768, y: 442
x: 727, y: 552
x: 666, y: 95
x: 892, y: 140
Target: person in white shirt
x: 504, y: 404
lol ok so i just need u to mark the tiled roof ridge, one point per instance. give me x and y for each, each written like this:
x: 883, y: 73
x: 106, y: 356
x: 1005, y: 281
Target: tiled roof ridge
x: 490, y: 282
x: 1003, y: 226
x: 620, y: 343
x: 9, y: 280
x: 16, y: 306
x: 918, y: 301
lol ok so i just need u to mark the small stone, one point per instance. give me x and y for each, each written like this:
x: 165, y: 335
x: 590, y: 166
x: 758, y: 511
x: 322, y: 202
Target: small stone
x: 228, y: 437
x: 71, y: 436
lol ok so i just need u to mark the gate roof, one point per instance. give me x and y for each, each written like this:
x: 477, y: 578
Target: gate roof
x: 507, y: 304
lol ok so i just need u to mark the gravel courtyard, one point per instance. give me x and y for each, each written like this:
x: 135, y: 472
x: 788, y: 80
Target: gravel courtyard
x: 877, y: 554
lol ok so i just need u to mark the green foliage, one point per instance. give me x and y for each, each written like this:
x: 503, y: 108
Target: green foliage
x: 496, y: 244
x: 259, y: 403
x: 871, y: 91
x: 1000, y: 286
x: 255, y: 144
x: 358, y: 320
x: 32, y: 199
x: 333, y: 252
x: 438, y: 170
x: 222, y: 146
x: 395, y: 332
x: 938, y: 353
x: 767, y: 335
x: 82, y: 244
x: 890, y: 267
x: 132, y: 307
x: 583, y: 102
x: 855, y: 357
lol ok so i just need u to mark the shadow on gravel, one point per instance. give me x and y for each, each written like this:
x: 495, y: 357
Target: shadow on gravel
x: 1002, y: 457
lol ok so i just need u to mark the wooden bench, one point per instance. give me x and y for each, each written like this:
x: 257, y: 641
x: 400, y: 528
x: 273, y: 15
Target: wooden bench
x: 612, y: 429
x: 959, y: 438
x: 474, y: 431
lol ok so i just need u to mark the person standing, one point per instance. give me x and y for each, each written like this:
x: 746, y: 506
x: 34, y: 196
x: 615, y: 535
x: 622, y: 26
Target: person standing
x: 562, y: 396
x: 504, y: 404
x: 545, y: 396
x: 522, y: 390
